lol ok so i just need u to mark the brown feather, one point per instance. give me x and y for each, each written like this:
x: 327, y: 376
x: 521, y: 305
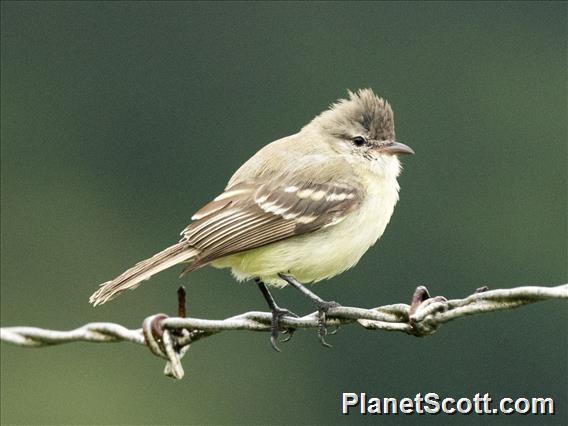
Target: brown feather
x: 131, y: 278
x: 270, y: 213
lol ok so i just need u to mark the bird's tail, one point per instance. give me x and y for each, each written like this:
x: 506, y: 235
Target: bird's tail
x: 131, y: 278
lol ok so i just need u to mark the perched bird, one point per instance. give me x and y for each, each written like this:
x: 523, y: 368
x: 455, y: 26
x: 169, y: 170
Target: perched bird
x: 302, y: 209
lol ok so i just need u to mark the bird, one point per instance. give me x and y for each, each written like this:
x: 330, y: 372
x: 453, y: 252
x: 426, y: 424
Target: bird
x: 303, y: 209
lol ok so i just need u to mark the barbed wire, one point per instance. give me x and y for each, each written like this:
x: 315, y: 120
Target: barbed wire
x: 170, y: 337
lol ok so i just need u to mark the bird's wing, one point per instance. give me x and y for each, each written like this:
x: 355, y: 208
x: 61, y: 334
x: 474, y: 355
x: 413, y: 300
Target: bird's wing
x: 249, y: 215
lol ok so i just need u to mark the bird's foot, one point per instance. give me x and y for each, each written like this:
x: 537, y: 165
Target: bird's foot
x: 322, y: 305
x: 323, y: 308
x: 275, y: 328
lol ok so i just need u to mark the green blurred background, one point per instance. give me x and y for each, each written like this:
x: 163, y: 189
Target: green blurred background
x: 120, y: 119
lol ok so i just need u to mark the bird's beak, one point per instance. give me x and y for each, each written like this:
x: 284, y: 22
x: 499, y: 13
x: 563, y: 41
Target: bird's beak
x: 395, y: 148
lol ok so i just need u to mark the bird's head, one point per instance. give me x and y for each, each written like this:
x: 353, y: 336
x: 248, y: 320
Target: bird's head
x: 362, y: 129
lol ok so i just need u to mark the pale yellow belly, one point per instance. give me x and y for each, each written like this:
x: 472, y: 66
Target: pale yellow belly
x: 319, y: 255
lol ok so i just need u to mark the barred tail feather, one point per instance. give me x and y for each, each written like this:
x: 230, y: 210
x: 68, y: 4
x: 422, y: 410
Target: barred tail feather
x: 133, y: 277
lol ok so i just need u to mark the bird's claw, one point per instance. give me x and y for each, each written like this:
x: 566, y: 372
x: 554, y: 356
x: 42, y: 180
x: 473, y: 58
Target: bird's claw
x: 334, y: 331
x: 323, y: 308
x: 273, y: 341
x: 290, y: 332
x: 275, y: 331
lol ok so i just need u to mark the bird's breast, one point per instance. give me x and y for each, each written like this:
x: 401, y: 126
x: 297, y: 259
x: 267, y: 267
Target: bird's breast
x: 365, y: 226
x: 324, y: 253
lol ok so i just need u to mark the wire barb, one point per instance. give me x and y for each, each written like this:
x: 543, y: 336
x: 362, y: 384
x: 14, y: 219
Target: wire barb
x: 170, y: 337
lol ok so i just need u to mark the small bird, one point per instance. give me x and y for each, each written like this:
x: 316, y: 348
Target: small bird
x: 302, y: 209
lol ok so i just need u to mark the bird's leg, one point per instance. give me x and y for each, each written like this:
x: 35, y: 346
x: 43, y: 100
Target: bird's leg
x: 322, y: 305
x: 277, y: 314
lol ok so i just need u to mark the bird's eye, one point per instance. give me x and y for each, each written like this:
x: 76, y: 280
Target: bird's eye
x: 359, y: 141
